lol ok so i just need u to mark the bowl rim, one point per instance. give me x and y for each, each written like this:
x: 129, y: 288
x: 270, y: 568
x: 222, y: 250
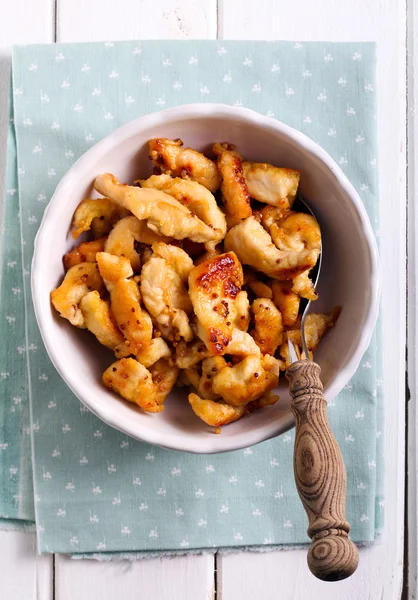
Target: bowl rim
x: 157, y: 119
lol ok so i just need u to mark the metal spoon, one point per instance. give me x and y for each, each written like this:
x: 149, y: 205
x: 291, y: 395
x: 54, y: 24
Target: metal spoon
x: 317, y: 462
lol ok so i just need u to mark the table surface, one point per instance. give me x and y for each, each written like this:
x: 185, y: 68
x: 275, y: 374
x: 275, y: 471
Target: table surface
x: 274, y: 575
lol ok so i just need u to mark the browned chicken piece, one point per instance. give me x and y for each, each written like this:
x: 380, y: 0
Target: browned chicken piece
x: 146, y: 388
x: 242, y: 344
x: 272, y: 215
x: 242, y: 304
x: 179, y: 260
x: 244, y: 382
x: 131, y: 318
x: 268, y: 325
x: 233, y: 187
x: 287, y: 301
x: 78, y: 281
x: 198, y: 199
x: 171, y: 158
x: 164, y: 377
x: 99, y: 320
x: 164, y: 214
x: 84, y: 252
x: 215, y: 414
x: 231, y: 221
x: 126, y: 239
x: 267, y: 399
x: 304, y: 286
x: 131, y: 380
x: 99, y: 213
x: 213, y: 288
x: 253, y: 246
x: 316, y: 326
x: 112, y: 268
x: 193, y: 376
x: 125, y: 301
x: 210, y: 366
x: 157, y: 349
x: 187, y: 355
x: 271, y: 185
x: 296, y: 233
x: 182, y: 380
x: 258, y: 288
x: 163, y: 286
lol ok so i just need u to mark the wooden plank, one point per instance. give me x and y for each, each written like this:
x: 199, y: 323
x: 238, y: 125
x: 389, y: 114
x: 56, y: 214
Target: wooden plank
x: 24, y: 574
x: 185, y: 577
x: 285, y: 574
x: 109, y: 20
x: 412, y: 49
x: 189, y: 577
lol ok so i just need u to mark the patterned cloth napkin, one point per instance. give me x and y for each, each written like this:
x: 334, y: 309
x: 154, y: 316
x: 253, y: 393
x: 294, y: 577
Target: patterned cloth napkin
x: 96, y: 490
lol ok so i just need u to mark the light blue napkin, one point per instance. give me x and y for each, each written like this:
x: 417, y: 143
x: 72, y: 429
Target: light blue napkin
x: 95, y: 488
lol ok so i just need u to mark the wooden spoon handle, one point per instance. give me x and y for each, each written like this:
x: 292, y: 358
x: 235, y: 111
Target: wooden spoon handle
x: 320, y: 477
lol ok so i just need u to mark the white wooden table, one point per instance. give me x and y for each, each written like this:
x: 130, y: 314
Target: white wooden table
x: 276, y: 575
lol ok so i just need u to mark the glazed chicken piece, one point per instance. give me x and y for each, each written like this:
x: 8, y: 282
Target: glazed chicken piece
x: 268, y: 325
x: 231, y: 221
x: 316, y: 326
x: 125, y: 301
x: 164, y: 214
x: 214, y: 413
x: 242, y: 304
x: 131, y: 380
x: 233, y: 187
x: 84, y: 252
x: 242, y: 344
x: 304, y: 286
x: 99, y: 320
x: 243, y: 382
x: 78, y: 281
x: 171, y: 158
x: 198, y: 199
x: 146, y: 388
x: 100, y: 214
x: 164, y: 376
x: 127, y: 236
x: 296, y: 233
x: 272, y: 215
x: 112, y: 268
x: 258, y: 288
x: 267, y: 399
x: 210, y: 366
x: 193, y: 376
x: 287, y: 301
x: 132, y: 319
x: 213, y: 288
x: 271, y: 185
x: 163, y: 286
x: 253, y: 246
x: 178, y: 259
x: 187, y: 355
x: 157, y: 349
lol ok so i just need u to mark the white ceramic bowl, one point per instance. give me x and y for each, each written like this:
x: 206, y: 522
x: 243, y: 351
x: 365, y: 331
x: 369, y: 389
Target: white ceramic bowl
x: 349, y: 276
